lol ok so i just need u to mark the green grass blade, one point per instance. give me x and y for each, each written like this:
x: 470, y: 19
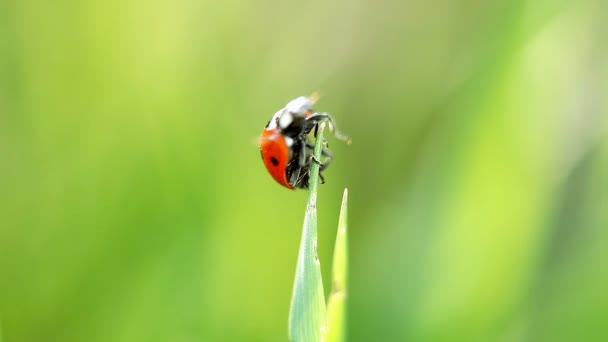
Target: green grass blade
x: 307, y: 316
x: 337, y: 299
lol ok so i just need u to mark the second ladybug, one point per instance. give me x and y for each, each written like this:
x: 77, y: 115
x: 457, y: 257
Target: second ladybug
x: 284, y: 145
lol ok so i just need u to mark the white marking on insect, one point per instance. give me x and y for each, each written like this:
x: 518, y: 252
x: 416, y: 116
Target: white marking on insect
x: 300, y: 105
x: 272, y: 124
x: 285, y: 120
x: 288, y: 141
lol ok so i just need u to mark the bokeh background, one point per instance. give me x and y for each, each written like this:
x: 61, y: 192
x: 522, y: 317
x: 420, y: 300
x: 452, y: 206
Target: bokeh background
x: 134, y: 205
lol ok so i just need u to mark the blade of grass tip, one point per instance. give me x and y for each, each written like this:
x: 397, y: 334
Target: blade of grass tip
x: 307, y: 316
x: 336, y: 325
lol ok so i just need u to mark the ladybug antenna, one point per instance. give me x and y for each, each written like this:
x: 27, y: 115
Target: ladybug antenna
x: 332, y: 128
x: 314, y: 97
x: 339, y: 135
x: 317, y: 117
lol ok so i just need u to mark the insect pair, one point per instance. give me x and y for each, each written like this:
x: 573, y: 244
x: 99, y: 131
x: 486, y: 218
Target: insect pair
x: 286, y: 150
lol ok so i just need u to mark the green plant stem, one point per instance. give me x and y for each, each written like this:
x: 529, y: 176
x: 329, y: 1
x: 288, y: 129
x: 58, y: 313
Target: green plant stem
x: 336, y: 305
x: 307, y: 314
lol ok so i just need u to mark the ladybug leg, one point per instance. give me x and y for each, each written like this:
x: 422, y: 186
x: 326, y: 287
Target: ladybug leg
x: 298, y: 176
x: 325, y: 152
x: 300, y: 179
x: 295, y: 179
x: 318, y: 117
x: 303, y: 153
x: 325, y: 164
x: 322, y: 165
x: 324, y: 142
x: 293, y: 176
x: 314, y: 159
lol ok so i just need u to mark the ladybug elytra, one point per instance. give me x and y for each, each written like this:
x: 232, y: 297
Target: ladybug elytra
x: 284, y: 145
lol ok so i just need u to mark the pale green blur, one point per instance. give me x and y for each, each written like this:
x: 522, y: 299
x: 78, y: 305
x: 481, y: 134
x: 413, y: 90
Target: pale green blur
x: 134, y: 205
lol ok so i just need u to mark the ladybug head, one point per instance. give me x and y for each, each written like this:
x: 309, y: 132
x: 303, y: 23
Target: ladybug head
x: 299, y: 106
x: 294, y: 113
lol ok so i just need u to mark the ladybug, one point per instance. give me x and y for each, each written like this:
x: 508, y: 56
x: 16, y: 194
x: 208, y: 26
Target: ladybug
x: 284, y: 145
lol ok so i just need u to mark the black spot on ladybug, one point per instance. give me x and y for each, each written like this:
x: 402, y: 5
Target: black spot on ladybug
x: 274, y: 161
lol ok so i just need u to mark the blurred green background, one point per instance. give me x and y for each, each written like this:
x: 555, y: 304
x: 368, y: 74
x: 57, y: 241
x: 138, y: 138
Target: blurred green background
x: 134, y: 205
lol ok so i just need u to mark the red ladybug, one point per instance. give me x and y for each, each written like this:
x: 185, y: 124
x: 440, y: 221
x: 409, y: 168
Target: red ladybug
x: 286, y: 151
